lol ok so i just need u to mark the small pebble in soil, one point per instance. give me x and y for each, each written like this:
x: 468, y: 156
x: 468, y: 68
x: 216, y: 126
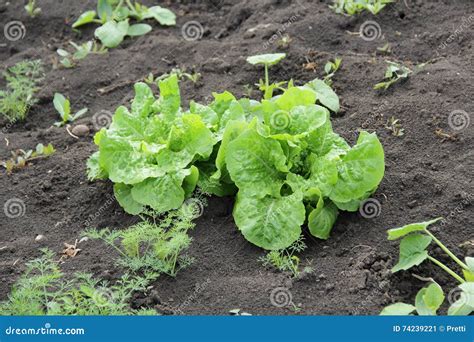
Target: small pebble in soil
x: 329, y: 287
x: 412, y: 204
x: 80, y: 130
x: 40, y: 238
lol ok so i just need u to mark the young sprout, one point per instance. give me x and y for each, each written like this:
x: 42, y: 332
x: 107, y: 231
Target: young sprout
x: 63, y: 106
x: 31, y: 8
x: 194, y: 77
x: 284, y: 41
x: 394, y: 126
x: 394, y: 73
x: 386, y: 49
x: 330, y: 69
x: 413, y: 251
x: 20, y: 158
x: 267, y: 60
x: 82, y: 51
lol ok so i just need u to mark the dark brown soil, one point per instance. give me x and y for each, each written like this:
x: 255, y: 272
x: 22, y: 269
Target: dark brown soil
x: 425, y: 175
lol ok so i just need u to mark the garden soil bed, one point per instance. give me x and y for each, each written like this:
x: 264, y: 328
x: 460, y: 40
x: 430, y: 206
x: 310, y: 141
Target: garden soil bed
x: 426, y: 175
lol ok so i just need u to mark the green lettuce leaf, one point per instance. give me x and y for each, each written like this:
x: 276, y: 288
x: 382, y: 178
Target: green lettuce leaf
x: 270, y: 223
x: 361, y: 169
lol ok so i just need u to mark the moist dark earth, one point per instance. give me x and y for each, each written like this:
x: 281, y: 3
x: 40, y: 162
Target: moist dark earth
x: 427, y: 174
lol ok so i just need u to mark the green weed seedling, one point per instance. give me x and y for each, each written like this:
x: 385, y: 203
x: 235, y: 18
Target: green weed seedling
x: 63, y: 107
x: 267, y: 61
x: 330, y: 69
x: 32, y: 9
x: 45, y: 290
x: 81, y: 51
x: 20, y: 158
x: 180, y: 73
x: 394, y: 126
x: 394, y: 73
x: 351, y: 7
x: 22, y: 84
x: 114, y: 15
x: 413, y: 251
x: 286, y: 260
x: 150, y: 245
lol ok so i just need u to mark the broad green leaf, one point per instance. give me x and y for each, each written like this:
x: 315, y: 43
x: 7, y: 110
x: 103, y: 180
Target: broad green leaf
x: 94, y: 171
x: 323, y: 141
x: 123, y: 195
x: 429, y: 299
x: 397, y: 233
x: 398, y: 309
x: 256, y: 164
x: 465, y: 304
x: 212, y: 185
x: 62, y: 105
x: 323, y: 173
x: 299, y: 121
x: 161, y: 193
x: 104, y: 10
x: 124, y: 161
x: 360, y: 170
x: 138, y: 30
x: 111, y: 34
x: 268, y: 59
x: 295, y: 97
x: 85, y: 18
x: 190, y: 139
x: 270, y: 223
x: 412, y: 251
x: 233, y: 112
x: 232, y: 131
x: 143, y: 100
x: 325, y: 95
x: 190, y: 181
x: 208, y: 115
x: 321, y: 220
x: 162, y: 15
x: 169, y: 101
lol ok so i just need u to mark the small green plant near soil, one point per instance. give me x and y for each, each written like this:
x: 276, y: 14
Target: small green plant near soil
x: 413, y: 251
x: 69, y: 59
x: 114, y: 15
x: 32, y: 9
x: 180, y: 73
x: 394, y: 126
x: 330, y: 69
x: 150, y: 245
x: 63, y: 107
x: 267, y: 61
x: 44, y: 289
x: 394, y: 73
x: 22, y: 84
x: 286, y: 260
x: 21, y: 158
x: 351, y: 7
x: 385, y: 49
x: 279, y: 156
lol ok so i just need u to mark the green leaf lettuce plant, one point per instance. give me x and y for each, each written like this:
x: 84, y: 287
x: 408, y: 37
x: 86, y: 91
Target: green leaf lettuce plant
x: 279, y: 156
